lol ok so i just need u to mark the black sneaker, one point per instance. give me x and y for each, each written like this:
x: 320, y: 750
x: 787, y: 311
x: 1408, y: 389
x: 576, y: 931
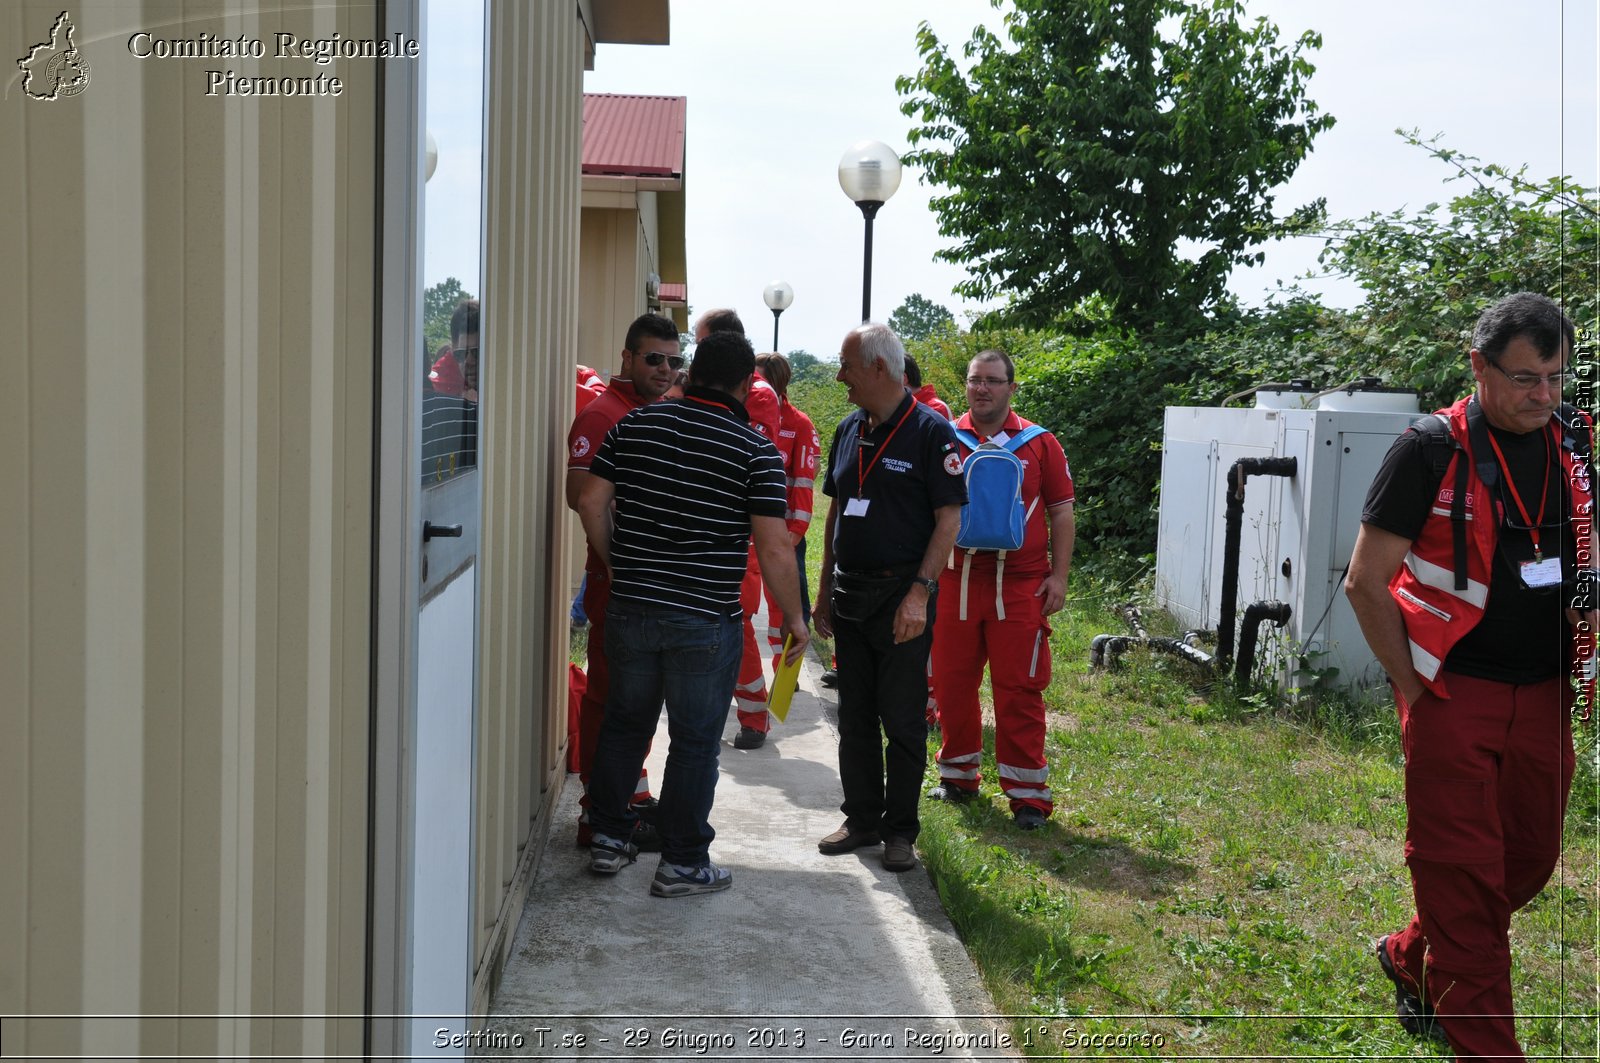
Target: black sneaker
x: 955, y: 795
x: 645, y: 808
x: 830, y: 678
x: 1416, y: 1015
x: 749, y: 738
x: 645, y: 837
x: 1029, y: 818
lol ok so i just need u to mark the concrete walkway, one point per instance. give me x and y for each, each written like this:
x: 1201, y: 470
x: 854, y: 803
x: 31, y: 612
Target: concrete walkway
x: 806, y: 956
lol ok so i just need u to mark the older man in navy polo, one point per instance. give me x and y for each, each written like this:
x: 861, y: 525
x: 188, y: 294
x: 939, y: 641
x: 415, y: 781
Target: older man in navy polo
x: 895, y: 490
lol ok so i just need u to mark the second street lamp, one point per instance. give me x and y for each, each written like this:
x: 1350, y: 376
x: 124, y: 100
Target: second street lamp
x: 869, y: 173
x: 778, y: 296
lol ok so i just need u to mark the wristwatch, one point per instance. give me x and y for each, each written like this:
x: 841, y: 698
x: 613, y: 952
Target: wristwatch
x: 929, y: 585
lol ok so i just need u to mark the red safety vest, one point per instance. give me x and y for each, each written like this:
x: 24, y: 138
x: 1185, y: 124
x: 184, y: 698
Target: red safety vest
x: 1437, y: 614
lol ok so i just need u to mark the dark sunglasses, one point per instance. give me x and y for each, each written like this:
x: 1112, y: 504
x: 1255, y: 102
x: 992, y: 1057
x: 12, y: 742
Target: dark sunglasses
x: 654, y: 359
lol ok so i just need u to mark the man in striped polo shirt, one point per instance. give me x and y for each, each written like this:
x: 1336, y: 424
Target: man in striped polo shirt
x: 691, y: 482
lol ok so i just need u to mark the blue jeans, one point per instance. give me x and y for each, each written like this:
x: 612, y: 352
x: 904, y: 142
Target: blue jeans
x: 691, y: 662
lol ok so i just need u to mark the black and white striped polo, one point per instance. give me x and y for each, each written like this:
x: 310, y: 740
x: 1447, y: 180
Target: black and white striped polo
x: 689, y: 474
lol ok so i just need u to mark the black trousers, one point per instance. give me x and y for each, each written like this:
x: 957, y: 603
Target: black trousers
x: 883, y: 728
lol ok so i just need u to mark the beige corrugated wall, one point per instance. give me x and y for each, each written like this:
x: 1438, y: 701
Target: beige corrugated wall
x: 533, y: 140
x: 185, y: 458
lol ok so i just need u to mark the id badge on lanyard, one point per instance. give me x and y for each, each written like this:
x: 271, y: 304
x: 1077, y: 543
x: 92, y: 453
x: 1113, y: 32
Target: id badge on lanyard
x: 1545, y: 572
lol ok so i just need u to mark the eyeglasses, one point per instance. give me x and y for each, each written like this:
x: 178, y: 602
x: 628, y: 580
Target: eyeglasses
x: 1528, y: 381
x: 653, y: 359
x: 985, y: 382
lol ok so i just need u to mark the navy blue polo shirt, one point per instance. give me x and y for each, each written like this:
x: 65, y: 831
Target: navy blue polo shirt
x: 912, y: 468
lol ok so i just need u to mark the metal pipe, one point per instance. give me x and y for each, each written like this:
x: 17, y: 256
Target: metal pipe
x: 1232, y: 520
x: 1254, y: 614
x: 1105, y: 650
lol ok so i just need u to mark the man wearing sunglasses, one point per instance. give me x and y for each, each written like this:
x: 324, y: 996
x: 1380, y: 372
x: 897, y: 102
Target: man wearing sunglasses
x: 650, y: 362
x: 1468, y: 579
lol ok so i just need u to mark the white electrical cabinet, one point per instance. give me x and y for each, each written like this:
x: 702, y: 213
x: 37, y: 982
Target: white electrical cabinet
x: 1297, y: 532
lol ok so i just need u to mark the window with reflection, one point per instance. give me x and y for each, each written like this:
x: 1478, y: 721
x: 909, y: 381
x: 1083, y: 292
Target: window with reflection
x: 452, y: 357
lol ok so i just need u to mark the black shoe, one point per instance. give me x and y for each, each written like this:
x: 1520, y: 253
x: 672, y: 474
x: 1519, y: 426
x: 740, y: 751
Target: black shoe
x: 830, y: 678
x: 645, y: 837
x: 1416, y: 1015
x: 953, y: 794
x: 1029, y: 818
x: 645, y: 808
x: 749, y: 738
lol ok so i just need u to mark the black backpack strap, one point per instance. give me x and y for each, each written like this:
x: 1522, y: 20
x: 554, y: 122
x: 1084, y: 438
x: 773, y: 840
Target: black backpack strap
x: 1575, y: 433
x: 1440, y: 446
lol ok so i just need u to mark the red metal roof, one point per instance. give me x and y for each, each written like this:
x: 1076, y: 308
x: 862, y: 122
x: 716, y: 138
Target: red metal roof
x: 633, y: 136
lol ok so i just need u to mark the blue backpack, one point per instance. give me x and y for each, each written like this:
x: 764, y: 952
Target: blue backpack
x: 994, y: 517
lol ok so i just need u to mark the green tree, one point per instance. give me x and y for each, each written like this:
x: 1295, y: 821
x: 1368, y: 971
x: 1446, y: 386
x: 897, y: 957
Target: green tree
x: 1106, y: 143
x: 918, y: 318
x: 438, y: 303
x: 1428, y: 275
x: 800, y: 361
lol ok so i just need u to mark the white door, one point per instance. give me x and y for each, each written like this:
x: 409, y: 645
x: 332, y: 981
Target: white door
x: 451, y: 272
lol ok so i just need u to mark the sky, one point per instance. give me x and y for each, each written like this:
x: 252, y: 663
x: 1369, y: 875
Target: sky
x: 777, y: 93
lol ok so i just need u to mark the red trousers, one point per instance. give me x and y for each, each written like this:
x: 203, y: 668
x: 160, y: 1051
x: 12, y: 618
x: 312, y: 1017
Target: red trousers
x: 750, y: 692
x: 592, y: 710
x: 1487, y: 775
x: 1017, y: 650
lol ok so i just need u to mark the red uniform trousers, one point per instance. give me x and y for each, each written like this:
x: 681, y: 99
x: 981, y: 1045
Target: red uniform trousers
x: 1487, y: 775
x: 750, y: 693
x: 592, y: 710
x: 1017, y: 650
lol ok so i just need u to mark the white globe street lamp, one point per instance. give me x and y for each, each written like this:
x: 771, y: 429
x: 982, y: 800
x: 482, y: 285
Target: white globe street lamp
x: 778, y: 296
x: 869, y: 173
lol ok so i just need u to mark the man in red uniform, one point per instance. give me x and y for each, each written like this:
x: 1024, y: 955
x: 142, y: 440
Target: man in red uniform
x: 750, y: 692
x: 650, y: 361
x: 455, y: 372
x: 993, y: 606
x: 1465, y: 581
x: 924, y: 393
x: 798, y: 446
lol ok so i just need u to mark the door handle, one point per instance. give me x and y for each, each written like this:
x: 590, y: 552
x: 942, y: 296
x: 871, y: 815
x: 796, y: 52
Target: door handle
x: 430, y: 530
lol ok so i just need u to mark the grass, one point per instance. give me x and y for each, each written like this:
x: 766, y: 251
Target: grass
x: 1215, y: 873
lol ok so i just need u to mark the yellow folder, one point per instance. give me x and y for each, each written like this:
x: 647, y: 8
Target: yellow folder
x: 784, y: 682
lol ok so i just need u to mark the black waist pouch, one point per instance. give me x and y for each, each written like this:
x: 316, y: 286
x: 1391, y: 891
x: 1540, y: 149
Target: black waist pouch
x: 859, y: 598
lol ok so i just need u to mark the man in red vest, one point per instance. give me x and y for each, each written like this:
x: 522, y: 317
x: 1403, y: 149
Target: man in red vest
x: 798, y: 446
x: 1468, y: 579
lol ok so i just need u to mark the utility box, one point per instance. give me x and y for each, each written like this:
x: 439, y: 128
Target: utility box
x: 1297, y: 532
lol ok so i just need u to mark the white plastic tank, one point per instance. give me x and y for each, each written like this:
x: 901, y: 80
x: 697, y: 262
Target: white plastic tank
x: 1295, y: 395
x: 1368, y: 396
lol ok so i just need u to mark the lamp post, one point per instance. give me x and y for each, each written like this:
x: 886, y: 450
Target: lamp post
x: 869, y: 173
x: 778, y: 296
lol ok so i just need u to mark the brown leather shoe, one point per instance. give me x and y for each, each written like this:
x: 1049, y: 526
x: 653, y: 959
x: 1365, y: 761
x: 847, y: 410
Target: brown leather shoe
x: 899, y: 854
x: 846, y: 839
